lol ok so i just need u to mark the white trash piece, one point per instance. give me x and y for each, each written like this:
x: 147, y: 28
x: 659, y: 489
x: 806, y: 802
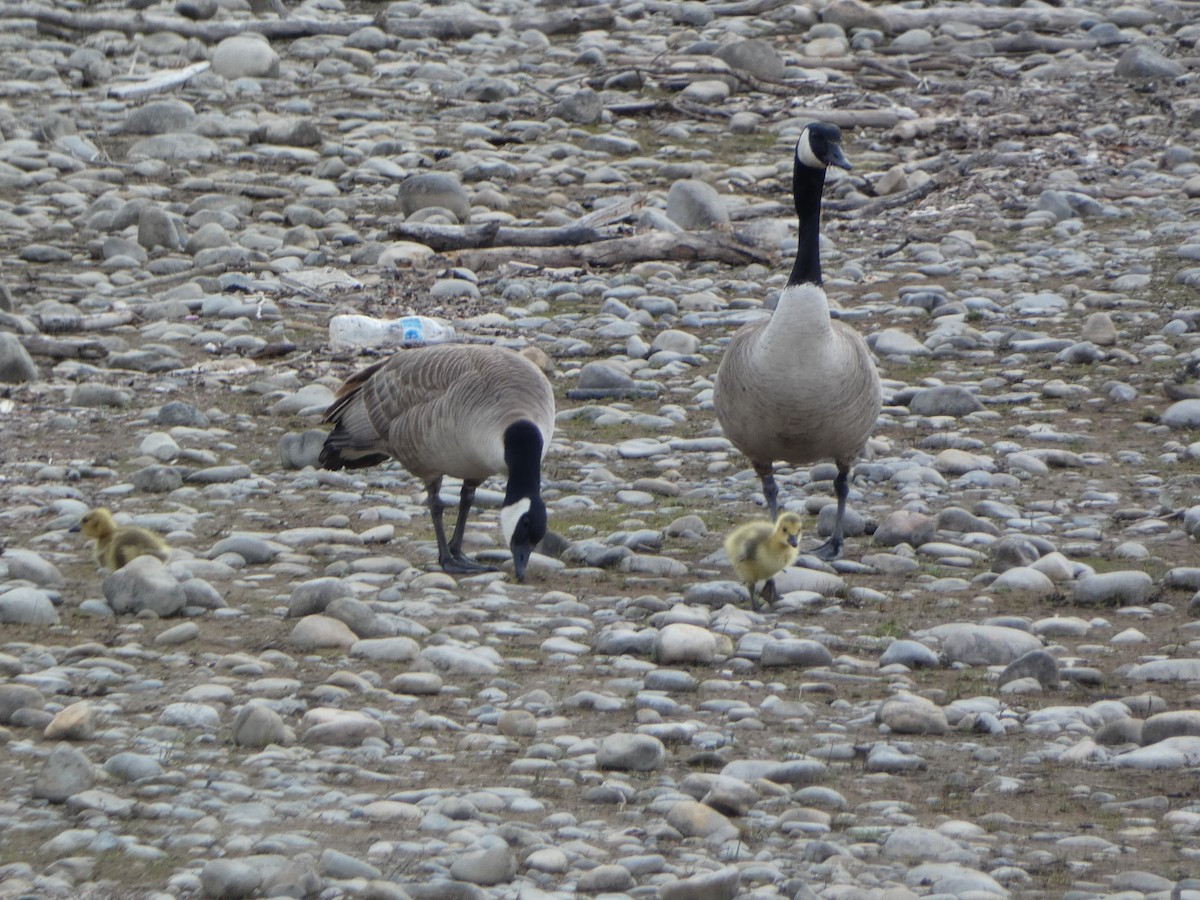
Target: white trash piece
x: 349, y: 331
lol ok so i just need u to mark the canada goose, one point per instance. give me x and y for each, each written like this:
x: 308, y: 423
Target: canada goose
x: 117, y: 544
x: 452, y: 409
x: 799, y: 386
x: 760, y: 549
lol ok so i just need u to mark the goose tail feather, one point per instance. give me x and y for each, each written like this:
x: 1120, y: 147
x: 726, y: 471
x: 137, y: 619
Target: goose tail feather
x: 354, y: 442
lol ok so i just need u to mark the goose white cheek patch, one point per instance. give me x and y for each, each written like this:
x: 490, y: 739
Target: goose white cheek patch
x: 510, y: 516
x: 804, y: 152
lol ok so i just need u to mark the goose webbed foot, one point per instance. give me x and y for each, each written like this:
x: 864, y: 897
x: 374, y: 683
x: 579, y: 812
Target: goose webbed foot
x: 828, y: 551
x: 460, y: 564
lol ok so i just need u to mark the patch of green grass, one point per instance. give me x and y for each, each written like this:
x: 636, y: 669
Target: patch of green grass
x: 888, y: 628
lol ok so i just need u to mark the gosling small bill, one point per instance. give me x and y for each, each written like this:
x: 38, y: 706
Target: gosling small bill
x: 761, y: 549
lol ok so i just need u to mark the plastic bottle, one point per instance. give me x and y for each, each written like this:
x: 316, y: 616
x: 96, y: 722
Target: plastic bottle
x: 350, y: 331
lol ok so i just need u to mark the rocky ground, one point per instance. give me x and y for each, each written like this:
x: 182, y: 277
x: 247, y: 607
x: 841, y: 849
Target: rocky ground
x: 993, y: 692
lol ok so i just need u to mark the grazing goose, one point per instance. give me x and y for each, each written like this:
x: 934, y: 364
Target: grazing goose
x: 452, y: 409
x: 117, y: 544
x: 759, y: 550
x: 799, y: 386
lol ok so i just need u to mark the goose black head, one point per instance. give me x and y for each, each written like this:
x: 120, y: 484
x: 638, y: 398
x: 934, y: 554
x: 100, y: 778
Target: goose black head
x: 820, y: 146
x: 524, y: 525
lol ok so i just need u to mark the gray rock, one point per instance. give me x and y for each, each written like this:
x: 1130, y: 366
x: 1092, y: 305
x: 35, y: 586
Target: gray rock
x: 336, y: 864
x: 913, y: 654
x: 207, y: 237
x: 722, y: 884
x: 245, y: 56
x: 904, y: 526
x: 288, y: 132
x: 357, y: 616
x: 1119, y: 731
x: 1038, y: 664
x: 1013, y: 551
x: 458, y: 662
x: 631, y: 753
x: 257, y: 725
x: 492, y: 865
x: 229, y: 879
x: 391, y: 649
x: 300, y: 449
x: 156, y: 228
x: 197, y: 9
x: 895, y: 342
x: 944, y: 400
x: 605, y: 878
x: 310, y: 597
x: 912, y: 714
x: 191, y: 715
x: 680, y: 642
x: 795, y: 652
x: 144, y: 584
x: 16, y: 365
x: 179, y: 412
x: 318, y: 632
x: 1182, y: 415
x: 757, y: 57
x: 1129, y: 588
x: 1098, y: 329
x: 129, y: 767
x: 1023, y: 579
x: 604, y: 376
x: 1177, y: 723
x: 15, y: 697
x: 67, y: 772
x: 156, y: 479
x: 256, y: 551
x: 434, y: 189
x: 696, y: 206
x: 1140, y: 62
x: 160, y: 117
x: 27, y: 565
x: 914, y: 843
x: 27, y: 606
x: 179, y: 146
x: 584, y: 107
x: 1171, y: 753
x: 984, y: 645
x: 1166, y: 670
x: 693, y: 819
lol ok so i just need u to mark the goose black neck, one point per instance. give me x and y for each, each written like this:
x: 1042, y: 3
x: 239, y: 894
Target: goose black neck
x: 523, y: 456
x: 807, y: 185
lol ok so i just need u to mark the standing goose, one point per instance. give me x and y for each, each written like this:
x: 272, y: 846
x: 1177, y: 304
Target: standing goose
x: 464, y: 411
x: 799, y: 386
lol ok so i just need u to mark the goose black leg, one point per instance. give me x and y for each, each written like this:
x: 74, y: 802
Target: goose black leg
x: 464, y: 564
x: 450, y: 556
x: 770, y: 593
x: 832, y: 548
x: 770, y: 489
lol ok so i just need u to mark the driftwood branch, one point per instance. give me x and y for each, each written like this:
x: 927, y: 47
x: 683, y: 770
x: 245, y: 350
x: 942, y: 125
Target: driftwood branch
x: 59, y: 324
x: 209, y: 32
x: 63, y: 348
x: 566, y: 21
x: 899, y: 19
x: 463, y: 237
x: 687, y: 246
x: 163, y: 81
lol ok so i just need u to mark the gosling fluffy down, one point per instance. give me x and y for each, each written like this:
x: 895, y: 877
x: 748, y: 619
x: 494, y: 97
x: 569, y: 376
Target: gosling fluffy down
x: 760, y: 549
x: 117, y: 544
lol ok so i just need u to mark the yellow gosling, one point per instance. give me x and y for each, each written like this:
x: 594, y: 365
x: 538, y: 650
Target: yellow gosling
x: 117, y: 544
x: 759, y: 550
